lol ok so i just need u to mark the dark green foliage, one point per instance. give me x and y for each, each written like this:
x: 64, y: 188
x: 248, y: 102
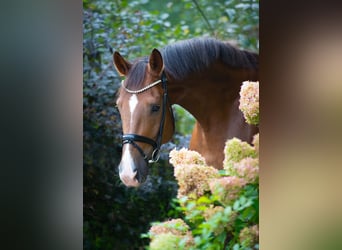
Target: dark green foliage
x: 116, y: 216
x: 115, y: 220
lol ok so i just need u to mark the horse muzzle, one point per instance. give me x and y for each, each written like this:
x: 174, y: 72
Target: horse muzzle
x: 133, y: 171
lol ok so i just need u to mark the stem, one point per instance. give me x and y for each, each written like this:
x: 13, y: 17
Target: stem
x: 204, y: 17
x: 229, y: 237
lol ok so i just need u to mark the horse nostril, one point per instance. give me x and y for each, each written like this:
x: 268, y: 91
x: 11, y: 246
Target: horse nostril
x: 142, y: 173
x: 140, y: 178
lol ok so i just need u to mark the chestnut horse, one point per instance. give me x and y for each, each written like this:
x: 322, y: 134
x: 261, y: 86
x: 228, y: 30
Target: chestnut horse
x: 203, y: 76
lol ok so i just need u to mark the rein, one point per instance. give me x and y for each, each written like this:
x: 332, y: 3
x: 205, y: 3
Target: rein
x: 133, y: 138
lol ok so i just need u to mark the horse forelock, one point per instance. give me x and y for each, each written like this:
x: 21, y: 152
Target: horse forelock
x: 190, y: 56
x: 136, y: 74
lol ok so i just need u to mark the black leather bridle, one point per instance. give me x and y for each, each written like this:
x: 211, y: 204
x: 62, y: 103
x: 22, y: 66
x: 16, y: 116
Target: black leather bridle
x: 133, y: 138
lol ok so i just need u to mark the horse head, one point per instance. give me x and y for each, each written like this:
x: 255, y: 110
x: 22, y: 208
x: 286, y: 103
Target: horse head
x: 146, y: 114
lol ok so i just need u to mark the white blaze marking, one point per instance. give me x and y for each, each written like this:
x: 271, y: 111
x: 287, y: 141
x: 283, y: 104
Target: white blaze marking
x: 133, y: 102
x: 127, y: 175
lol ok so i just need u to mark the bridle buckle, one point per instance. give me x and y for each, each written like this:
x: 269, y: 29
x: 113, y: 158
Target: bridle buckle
x: 155, y: 156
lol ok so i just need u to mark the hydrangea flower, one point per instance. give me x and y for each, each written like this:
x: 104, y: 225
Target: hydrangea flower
x: 249, y: 236
x: 227, y: 189
x: 235, y: 150
x: 247, y: 169
x: 193, y: 180
x: 209, y: 212
x: 191, y: 172
x: 167, y: 241
x: 170, y: 235
x: 185, y: 156
x: 249, y: 101
x: 174, y: 226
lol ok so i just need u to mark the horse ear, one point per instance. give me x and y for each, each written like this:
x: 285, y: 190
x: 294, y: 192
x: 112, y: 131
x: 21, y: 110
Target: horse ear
x: 121, y: 65
x: 156, y: 61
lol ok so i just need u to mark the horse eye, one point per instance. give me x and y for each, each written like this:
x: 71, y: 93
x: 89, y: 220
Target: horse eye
x: 155, y: 108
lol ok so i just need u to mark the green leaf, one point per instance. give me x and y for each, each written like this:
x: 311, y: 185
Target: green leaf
x: 236, y: 246
x: 236, y: 205
x: 164, y: 16
x: 228, y: 210
x: 242, y: 200
x: 204, y: 200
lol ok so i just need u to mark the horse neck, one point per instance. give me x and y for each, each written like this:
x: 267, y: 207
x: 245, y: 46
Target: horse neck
x: 210, y: 96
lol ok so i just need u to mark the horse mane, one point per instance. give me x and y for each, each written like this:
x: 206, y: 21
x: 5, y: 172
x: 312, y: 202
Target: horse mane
x: 189, y: 56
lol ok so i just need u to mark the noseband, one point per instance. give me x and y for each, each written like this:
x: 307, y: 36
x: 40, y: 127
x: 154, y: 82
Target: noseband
x: 133, y: 138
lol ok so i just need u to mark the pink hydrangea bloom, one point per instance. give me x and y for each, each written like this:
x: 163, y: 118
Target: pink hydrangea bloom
x: 247, y: 169
x: 191, y: 172
x: 249, y: 236
x: 227, y: 188
x: 249, y: 101
x: 185, y: 156
x: 172, y: 231
x: 174, y: 226
x: 235, y: 150
x: 193, y: 180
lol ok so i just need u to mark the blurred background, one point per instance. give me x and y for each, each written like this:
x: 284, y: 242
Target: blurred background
x: 115, y: 216
x: 42, y: 102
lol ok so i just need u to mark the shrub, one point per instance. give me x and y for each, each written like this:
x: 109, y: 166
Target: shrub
x: 220, y: 209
